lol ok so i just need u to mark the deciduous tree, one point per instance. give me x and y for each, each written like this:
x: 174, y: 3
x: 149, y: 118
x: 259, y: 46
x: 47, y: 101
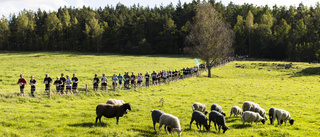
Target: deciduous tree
x: 210, y: 38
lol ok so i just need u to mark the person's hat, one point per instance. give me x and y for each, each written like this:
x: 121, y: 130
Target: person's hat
x: 62, y: 74
x: 58, y: 77
x: 95, y: 75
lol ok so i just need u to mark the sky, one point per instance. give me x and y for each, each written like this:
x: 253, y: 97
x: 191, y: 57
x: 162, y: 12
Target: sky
x: 8, y: 7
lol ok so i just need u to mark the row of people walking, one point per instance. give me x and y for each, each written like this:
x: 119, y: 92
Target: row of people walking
x: 70, y: 85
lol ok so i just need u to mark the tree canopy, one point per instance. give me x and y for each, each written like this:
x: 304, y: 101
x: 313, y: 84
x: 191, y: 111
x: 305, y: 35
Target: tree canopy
x: 277, y: 32
x: 210, y: 38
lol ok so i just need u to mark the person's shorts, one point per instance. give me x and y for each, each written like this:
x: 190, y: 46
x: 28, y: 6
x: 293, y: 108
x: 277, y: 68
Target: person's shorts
x: 58, y: 88
x: 74, y: 86
x: 62, y: 87
x: 139, y: 82
x: 95, y: 86
x: 33, y: 89
x: 68, y: 87
x: 114, y: 83
x: 164, y: 77
x: 153, y: 79
x: 103, y: 84
x: 21, y: 89
x: 120, y: 82
x: 47, y: 87
x: 195, y: 71
x: 132, y: 82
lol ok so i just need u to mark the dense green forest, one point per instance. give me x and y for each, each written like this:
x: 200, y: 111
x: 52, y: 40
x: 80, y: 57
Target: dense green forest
x: 290, y: 33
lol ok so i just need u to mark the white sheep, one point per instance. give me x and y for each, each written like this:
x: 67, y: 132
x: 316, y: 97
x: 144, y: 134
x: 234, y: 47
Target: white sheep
x: 115, y: 102
x: 249, y: 116
x: 261, y: 111
x: 282, y: 115
x: 249, y: 106
x: 170, y: 121
x: 200, y: 107
x: 235, y: 110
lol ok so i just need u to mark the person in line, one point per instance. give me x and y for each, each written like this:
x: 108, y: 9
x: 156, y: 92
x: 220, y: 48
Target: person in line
x: 140, y: 77
x: 104, y: 82
x: 75, y: 81
x: 114, y: 82
x: 176, y: 74
x: 120, y: 77
x: 96, y: 82
x: 33, y: 84
x: 58, y: 84
x: 126, y: 80
x: 195, y: 69
x: 47, y: 81
x: 181, y: 74
x: 22, y: 83
x: 68, y: 85
x: 147, y: 76
x: 133, y: 80
x: 164, y: 76
x: 154, y: 78
x: 63, y: 80
x: 169, y: 75
x: 159, y: 77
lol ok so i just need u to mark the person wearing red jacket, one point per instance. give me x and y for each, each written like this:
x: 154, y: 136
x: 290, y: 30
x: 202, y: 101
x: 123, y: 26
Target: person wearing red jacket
x: 133, y: 80
x: 22, y: 83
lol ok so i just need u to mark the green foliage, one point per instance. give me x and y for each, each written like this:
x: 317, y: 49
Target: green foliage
x: 121, y: 29
x: 267, y: 83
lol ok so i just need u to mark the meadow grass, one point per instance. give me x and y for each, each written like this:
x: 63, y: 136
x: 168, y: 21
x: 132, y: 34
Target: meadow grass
x: 83, y: 65
x: 295, y: 90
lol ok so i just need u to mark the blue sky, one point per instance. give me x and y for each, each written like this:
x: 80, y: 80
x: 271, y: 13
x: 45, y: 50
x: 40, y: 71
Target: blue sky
x: 15, y: 6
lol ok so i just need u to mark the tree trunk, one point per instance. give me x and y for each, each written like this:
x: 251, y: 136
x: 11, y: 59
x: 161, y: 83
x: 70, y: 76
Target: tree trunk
x: 209, y: 71
x: 209, y: 68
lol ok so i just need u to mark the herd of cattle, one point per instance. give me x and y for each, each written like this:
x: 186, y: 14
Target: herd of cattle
x: 251, y: 112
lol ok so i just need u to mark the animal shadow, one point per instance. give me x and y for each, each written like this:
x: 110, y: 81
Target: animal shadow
x: 241, y: 126
x: 231, y: 119
x: 89, y: 124
x: 146, y: 131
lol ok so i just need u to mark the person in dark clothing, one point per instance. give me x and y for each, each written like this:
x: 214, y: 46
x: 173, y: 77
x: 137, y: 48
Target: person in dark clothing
x: 33, y: 84
x: 58, y: 84
x: 63, y: 80
x: 47, y: 81
x: 75, y: 81
x: 96, y: 82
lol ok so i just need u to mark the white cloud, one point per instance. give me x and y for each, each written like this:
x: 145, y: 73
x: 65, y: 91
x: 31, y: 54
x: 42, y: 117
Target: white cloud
x: 15, y: 6
x: 80, y: 4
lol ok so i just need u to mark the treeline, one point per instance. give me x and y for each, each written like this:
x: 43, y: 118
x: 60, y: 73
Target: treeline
x: 260, y: 31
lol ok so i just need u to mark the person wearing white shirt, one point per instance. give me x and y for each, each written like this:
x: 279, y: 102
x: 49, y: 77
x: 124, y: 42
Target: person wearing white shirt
x: 104, y: 81
x: 68, y: 85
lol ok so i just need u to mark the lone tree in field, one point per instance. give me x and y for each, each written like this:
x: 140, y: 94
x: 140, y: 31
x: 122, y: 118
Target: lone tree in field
x: 210, y: 38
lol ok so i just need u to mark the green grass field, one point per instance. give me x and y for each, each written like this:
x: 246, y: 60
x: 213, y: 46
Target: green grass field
x: 295, y: 90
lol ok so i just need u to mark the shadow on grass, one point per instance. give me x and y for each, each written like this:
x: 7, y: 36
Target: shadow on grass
x: 89, y: 124
x: 240, y: 126
x: 146, y: 131
x: 231, y: 119
x: 307, y: 72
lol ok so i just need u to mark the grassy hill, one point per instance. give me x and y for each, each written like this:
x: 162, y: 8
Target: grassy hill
x: 266, y: 83
x: 83, y: 65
